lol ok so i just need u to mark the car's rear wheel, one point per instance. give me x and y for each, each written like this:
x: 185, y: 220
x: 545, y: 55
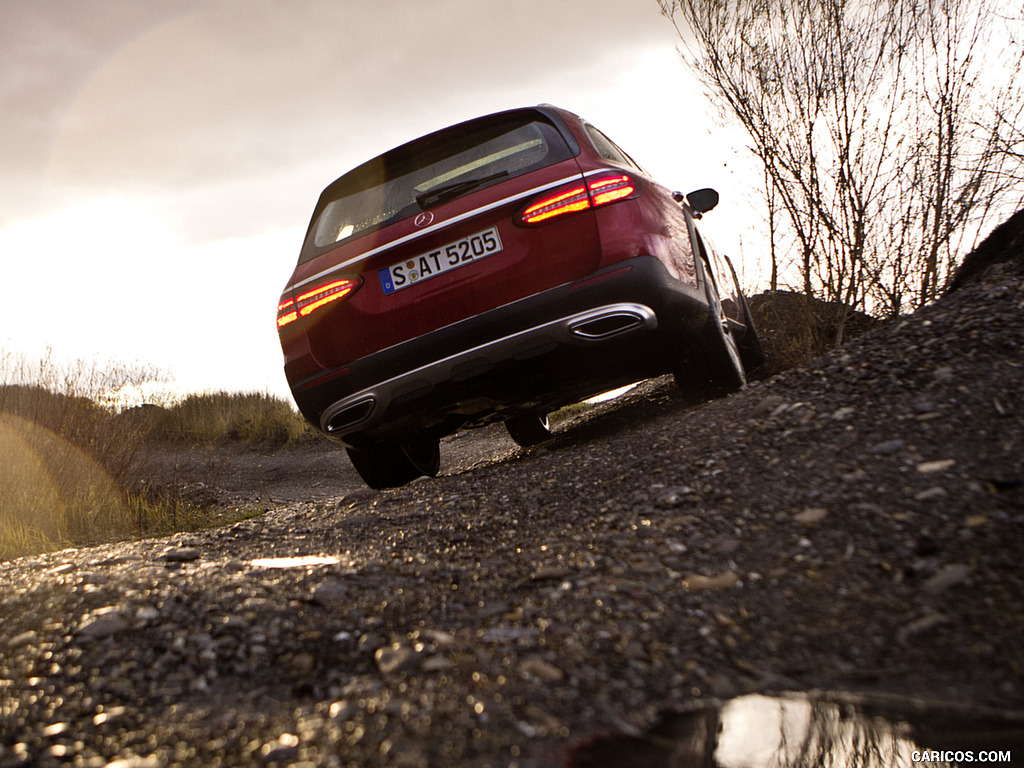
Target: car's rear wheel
x: 529, y: 430
x: 751, y: 350
x: 715, y: 367
x: 397, y: 462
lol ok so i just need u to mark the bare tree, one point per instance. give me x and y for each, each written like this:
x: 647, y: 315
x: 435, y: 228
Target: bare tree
x: 881, y: 140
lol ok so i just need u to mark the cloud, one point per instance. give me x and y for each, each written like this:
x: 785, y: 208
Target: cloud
x: 173, y: 97
x: 236, y: 87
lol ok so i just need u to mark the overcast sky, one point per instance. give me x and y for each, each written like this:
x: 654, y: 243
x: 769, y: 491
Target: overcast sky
x: 161, y: 158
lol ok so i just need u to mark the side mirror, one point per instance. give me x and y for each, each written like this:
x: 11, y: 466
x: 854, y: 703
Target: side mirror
x: 702, y: 200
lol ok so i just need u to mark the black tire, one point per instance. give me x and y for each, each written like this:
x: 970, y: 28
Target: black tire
x: 714, y: 366
x: 751, y: 350
x: 529, y: 430
x: 397, y: 462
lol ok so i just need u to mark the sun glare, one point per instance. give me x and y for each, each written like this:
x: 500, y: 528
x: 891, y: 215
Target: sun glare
x: 79, y: 278
x: 81, y: 240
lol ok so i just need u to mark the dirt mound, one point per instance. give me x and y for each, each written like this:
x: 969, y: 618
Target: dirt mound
x: 795, y: 328
x: 1005, y: 243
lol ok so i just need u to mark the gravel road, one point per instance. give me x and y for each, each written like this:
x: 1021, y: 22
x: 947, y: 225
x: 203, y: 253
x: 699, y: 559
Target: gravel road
x: 854, y: 525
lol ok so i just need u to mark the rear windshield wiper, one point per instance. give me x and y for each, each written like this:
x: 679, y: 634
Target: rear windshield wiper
x: 456, y: 189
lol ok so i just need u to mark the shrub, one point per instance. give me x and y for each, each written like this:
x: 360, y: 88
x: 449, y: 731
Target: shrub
x: 794, y: 328
x: 249, y: 417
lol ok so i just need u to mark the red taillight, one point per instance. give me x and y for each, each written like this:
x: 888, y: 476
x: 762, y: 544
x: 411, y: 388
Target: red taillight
x: 290, y: 310
x: 324, y: 294
x: 598, y: 190
x: 286, y: 313
x: 564, y: 201
x: 608, y: 189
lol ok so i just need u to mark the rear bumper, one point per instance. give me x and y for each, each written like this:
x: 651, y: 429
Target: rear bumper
x: 614, y: 327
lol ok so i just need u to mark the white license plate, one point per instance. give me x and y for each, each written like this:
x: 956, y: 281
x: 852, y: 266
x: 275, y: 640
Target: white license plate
x: 410, y: 272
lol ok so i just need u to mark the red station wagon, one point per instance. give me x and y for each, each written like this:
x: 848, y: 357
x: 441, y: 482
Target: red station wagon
x: 494, y: 271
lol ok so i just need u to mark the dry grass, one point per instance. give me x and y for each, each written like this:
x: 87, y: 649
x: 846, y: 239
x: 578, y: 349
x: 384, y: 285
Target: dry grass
x: 70, y: 464
x: 249, y: 417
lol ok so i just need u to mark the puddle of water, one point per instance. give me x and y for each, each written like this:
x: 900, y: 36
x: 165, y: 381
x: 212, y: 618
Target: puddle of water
x: 304, y: 561
x: 805, y: 731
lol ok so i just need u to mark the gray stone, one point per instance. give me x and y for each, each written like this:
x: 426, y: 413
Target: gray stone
x: 396, y: 658
x: 103, y: 623
x: 949, y: 576
x: 180, y: 554
x: 812, y: 516
x: 888, y: 447
x: 21, y: 640
x: 332, y: 593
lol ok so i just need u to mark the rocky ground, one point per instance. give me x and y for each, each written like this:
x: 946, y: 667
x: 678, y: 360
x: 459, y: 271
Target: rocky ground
x: 853, y: 525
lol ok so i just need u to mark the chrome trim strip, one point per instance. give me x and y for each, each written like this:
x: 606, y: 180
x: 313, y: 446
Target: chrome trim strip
x: 439, y: 226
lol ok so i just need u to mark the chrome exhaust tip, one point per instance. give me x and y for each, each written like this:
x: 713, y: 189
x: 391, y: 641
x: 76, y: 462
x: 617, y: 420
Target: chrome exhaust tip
x: 350, y: 415
x: 608, y: 325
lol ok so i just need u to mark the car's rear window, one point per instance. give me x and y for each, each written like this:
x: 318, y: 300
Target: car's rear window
x: 431, y: 170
